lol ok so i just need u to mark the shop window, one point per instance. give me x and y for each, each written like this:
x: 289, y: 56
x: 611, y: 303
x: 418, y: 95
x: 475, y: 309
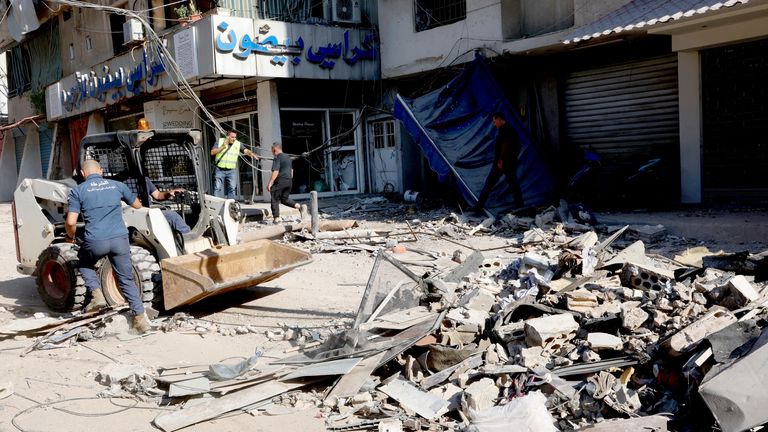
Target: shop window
x: 303, y: 132
x: 435, y: 13
x: 383, y: 134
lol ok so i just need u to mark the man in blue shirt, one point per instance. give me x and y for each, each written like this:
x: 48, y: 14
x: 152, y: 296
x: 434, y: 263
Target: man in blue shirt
x: 99, y: 201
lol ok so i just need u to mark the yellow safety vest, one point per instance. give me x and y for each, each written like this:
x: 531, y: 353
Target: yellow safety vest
x: 227, y: 159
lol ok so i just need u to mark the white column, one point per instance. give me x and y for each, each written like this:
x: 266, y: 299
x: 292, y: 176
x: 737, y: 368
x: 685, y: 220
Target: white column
x: 30, y: 160
x: 7, y: 167
x: 689, y: 94
x: 269, y: 125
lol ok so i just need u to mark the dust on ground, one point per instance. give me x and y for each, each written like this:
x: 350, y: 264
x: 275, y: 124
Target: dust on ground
x: 315, y: 296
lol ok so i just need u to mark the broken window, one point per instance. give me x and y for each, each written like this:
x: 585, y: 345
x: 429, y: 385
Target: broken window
x: 435, y: 13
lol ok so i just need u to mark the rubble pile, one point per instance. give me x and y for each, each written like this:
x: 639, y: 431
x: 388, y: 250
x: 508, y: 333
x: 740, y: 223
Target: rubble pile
x: 565, y: 326
x: 576, y: 331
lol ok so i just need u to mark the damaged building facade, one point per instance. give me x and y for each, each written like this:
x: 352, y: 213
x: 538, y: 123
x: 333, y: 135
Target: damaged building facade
x: 668, y: 94
x: 295, y: 74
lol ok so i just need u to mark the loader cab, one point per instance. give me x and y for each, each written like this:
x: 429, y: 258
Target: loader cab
x: 167, y: 159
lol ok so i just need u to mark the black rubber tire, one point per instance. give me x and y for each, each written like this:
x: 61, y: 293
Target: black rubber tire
x: 146, y: 274
x: 58, y: 278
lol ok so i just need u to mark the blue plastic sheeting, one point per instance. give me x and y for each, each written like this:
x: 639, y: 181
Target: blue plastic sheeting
x: 453, y: 127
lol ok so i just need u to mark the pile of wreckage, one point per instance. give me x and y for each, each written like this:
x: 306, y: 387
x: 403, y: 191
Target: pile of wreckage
x: 560, y: 331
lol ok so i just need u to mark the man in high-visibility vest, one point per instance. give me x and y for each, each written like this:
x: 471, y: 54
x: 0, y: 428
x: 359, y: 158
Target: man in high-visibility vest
x: 226, y: 154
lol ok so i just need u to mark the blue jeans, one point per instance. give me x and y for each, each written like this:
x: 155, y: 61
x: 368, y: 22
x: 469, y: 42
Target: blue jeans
x: 118, y: 250
x: 224, y: 179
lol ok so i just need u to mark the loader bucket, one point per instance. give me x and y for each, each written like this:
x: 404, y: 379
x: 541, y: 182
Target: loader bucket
x: 192, y: 277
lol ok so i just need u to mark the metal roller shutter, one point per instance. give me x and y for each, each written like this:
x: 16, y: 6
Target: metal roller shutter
x: 628, y: 114
x: 46, y: 145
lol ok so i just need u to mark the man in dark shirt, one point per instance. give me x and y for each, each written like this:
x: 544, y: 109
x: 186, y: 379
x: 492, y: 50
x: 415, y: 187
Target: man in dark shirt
x: 504, y: 162
x: 281, y: 183
x: 174, y: 219
x: 99, y: 201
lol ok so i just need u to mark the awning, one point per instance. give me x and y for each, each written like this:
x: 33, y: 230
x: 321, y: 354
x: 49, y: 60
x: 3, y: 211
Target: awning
x: 641, y: 14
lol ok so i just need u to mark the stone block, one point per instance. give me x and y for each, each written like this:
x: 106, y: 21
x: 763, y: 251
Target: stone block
x: 541, y: 331
x: 601, y: 341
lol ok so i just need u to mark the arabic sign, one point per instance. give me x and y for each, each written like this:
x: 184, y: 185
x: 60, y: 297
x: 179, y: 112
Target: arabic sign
x: 122, y: 77
x: 243, y: 47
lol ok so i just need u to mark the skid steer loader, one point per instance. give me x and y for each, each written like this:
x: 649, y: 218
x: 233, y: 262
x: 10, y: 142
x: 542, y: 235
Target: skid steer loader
x: 171, y: 269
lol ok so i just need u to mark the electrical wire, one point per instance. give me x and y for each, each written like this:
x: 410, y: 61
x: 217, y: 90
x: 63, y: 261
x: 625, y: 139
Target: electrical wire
x: 67, y: 411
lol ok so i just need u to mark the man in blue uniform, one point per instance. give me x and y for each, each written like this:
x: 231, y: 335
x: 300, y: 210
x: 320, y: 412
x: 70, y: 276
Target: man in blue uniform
x: 99, y: 201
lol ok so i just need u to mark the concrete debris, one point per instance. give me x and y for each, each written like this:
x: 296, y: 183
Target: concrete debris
x: 547, y: 330
x: 552, y: 330
x: 601, y: 341
x: 525, y: 414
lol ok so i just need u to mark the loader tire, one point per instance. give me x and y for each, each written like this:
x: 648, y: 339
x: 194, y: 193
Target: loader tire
x: 58, y: 278
x: 146, y: 274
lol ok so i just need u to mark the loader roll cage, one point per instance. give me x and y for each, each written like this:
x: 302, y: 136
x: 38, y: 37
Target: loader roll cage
x: 164, y: 159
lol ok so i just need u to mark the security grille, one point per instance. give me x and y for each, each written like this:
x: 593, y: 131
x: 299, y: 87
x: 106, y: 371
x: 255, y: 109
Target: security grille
x: 169, y: 166
x: 113, y: 161
x: 435, y: 13
x: 383, y: 134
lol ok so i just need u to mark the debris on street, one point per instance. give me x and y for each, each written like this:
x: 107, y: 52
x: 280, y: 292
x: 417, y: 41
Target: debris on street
x: 558, y: 326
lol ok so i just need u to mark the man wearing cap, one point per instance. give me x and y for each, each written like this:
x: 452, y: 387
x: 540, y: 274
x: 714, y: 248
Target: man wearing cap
x: 226, y: 154
x: 100, y: 202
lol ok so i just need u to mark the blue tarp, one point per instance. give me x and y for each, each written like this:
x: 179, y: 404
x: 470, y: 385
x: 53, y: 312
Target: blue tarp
x: 453, y: 127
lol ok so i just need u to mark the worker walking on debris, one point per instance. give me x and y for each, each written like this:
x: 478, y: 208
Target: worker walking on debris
x: 504, y: 162
x: 226, y: 153
x: 99, y: 201
x: 281, y: 183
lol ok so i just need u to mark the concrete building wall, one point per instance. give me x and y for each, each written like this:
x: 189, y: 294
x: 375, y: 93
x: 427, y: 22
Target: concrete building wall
x: 405, y: 51
x: 488, y: 24
x: 588, y: 11
x: 83, y: 25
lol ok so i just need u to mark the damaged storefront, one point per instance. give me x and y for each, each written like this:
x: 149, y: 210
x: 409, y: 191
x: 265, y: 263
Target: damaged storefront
x: 295, y: 88
x: 272, y: 82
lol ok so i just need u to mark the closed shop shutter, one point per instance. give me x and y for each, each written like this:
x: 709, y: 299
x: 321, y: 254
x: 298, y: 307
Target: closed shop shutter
x: 46, y: 146
x: 19, y: 140
x: 628, y: 114
x: 735, y: 122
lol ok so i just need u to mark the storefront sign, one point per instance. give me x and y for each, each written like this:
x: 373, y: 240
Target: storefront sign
x: 123, y: 77
x: 243, y: 47
x: 325, y: 56
x: 169, y: 114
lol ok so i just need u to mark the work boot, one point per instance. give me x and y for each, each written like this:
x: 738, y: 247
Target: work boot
x: 304, y: 212
x: 141, y: 323
x: 97, y: 301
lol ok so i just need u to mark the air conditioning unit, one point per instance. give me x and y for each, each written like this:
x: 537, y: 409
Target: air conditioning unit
x: 345, y: 11
x: 133, y: 33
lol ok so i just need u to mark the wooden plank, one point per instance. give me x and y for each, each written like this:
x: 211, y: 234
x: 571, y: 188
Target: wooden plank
x: 175, y: 420
x: 351, y: 383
